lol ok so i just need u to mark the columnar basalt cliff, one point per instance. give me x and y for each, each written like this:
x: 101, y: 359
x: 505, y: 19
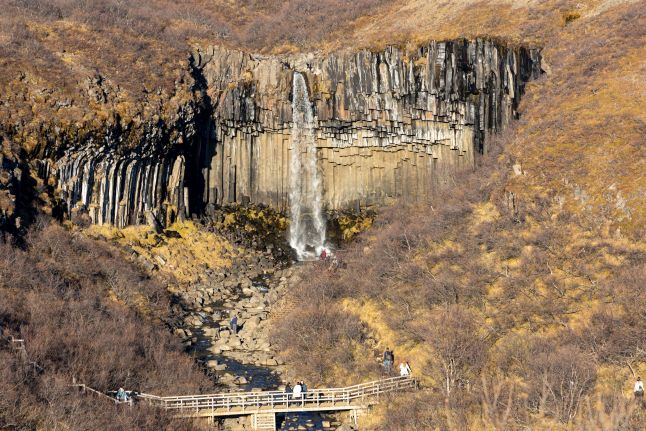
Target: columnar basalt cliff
x: 389, y: 125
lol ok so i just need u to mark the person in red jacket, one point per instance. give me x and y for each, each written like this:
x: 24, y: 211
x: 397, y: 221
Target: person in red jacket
x: 323, y: 255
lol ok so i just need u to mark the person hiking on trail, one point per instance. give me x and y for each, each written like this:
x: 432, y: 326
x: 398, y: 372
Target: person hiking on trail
x: 639, y: 389
x: 335, y: 263
x: 298, y: 391
x: 323, y: 254
x: 233, y: 324
x: 389, y: 360
x: 404, y: 369
x: 122, y: 395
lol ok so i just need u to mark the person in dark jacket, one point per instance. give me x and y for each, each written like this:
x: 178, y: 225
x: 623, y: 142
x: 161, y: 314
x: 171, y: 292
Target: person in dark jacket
x: 233, y: 324
x: 389, y: 360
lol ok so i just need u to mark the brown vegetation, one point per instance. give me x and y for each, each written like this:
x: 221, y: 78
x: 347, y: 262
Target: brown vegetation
x: 83, y: 64
x: 84, y: 313
x: 543, y: 311
x: 515, y: 294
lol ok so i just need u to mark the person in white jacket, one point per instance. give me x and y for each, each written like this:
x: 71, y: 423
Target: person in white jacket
x: 639, y: 389
x: 404, y: 369
x: 297, y: 391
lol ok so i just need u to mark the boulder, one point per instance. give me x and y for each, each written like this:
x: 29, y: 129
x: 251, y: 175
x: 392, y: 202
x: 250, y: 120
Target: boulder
x: 241, y: 380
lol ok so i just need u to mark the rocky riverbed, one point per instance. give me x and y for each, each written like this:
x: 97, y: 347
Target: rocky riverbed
x: 249, y: 289
x: 252, y: 288
x: 234, y: 264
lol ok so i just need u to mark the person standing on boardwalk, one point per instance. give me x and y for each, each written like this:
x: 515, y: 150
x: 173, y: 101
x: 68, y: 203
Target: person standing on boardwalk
x: 389, y: 360
x: 298, y: 390
x: 404, y: 369
x: 122, y: 396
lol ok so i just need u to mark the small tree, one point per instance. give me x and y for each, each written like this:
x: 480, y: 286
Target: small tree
x: 458, y: 346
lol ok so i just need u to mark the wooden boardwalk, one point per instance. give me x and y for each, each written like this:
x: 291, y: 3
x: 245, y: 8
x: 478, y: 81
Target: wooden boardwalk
x: 263, y: 406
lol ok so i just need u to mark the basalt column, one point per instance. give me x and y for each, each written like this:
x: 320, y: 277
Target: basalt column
x: 388, y: 125
x: 384, y: 125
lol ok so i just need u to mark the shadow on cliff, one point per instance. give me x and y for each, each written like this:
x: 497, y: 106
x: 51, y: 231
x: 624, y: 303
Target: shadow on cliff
x: 201, y: 151
x: 23, y: 187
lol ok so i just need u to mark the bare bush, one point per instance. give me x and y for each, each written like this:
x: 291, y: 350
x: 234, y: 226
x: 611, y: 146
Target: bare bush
x: 559, y: 377
x: 455, y: 337
x: 82, y: 313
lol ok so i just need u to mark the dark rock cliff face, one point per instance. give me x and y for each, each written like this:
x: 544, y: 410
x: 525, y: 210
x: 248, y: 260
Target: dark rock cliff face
x: 388, y: 125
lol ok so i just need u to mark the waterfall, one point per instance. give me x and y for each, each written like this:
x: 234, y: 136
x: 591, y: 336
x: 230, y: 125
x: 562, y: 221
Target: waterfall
x: 307, y: 225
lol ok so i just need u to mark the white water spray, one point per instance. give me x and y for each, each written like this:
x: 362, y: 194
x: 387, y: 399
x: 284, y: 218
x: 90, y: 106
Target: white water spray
x: 307, y: 225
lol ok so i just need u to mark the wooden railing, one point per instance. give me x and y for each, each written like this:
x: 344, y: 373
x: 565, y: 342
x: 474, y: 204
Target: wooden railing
x: 18, y: 346
x: 274, y: 400
x: 350, y: 397
x: 88, y: 390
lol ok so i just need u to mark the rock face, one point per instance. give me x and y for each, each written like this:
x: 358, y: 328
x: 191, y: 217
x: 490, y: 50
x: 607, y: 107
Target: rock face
x: 8, y: 180
x: 389, y: 125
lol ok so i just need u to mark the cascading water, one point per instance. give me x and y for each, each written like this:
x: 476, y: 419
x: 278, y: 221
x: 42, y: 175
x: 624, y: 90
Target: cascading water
x: 307, y: 225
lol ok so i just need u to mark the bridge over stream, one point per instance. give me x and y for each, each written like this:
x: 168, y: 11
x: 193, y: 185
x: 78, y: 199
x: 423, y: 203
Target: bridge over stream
x: 262, y: 407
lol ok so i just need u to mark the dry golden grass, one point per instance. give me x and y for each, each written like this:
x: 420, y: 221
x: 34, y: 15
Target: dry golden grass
x: 185, y: 258
x: 50, y: 50
x: 549, y: 261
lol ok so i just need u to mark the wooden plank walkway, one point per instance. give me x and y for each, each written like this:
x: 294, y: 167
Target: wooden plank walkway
x: 247, y: 403
x: 262, y: 407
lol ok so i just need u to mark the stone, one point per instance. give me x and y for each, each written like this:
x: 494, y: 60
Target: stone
x: 241, y: 380
x: 390, y: 124
x: 193, y: 320
x: 216, y: 350
x: 252, y: 323
x: 210, y: 331
x: 180, y: 332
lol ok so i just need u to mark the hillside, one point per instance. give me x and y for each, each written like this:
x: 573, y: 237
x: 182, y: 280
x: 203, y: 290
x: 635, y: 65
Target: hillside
x: 87, y: 314
x: 86, y: 63
x: 516, y: 296
x: 516, y: 293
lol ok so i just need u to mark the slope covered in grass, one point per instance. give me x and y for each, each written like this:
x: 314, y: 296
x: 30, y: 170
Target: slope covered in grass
x: 85, y: 313
x: 85, y: 64
x: 517, y: 296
